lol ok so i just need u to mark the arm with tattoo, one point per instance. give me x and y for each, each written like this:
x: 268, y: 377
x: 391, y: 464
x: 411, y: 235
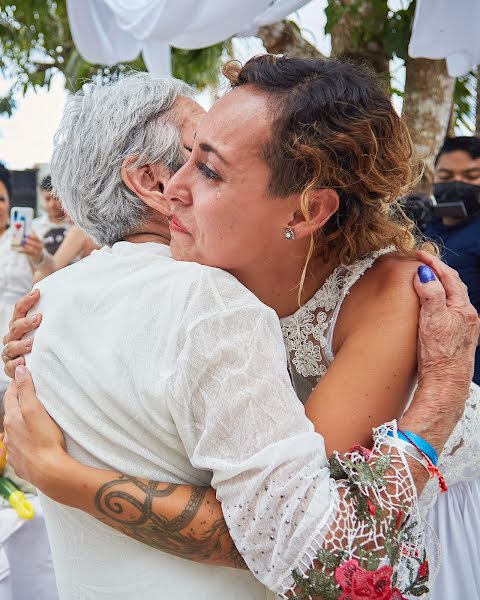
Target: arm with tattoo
x: 183, y: 520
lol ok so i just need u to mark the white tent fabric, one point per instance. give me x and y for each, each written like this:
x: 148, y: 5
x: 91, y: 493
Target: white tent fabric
x: 447, y: 29
x: 112, y: 31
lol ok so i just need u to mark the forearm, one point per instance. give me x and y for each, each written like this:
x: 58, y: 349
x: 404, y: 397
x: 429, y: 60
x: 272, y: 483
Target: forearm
x: 45, y: 267
x: 183, y: 520
x: 434, y: 412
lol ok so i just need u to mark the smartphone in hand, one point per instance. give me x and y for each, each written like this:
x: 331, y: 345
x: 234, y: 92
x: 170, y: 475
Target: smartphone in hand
x: 21, y: 218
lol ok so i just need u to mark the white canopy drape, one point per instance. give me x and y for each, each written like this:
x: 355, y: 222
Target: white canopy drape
x: 447, y: 29
x: 112, y: 31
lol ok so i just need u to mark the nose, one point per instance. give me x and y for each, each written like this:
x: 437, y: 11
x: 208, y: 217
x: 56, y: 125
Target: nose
x: 177, y: 190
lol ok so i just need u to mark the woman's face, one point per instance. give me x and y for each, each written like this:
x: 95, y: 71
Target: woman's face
x: 4, y: 207
x: 223, y: 215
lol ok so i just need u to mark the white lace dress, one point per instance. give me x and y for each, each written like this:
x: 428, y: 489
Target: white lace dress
x: 454, y: 516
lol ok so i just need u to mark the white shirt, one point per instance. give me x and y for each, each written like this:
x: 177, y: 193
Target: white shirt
x: 16, y: 280
x: 175, y: 372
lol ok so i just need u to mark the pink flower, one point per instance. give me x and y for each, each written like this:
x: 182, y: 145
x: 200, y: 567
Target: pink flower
x: 359, y: 584
x: 365, y: 452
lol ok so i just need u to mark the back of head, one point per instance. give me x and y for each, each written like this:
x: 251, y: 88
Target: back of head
x: 103, y: 125
x: 334, y: 127
x: 6, y: 179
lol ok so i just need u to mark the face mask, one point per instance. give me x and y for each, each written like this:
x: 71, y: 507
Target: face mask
x: 456, y: 199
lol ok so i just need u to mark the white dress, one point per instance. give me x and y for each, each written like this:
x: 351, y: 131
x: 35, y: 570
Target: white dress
x: 172, y: 371
x: 454, y: 516
x: 16, y: 280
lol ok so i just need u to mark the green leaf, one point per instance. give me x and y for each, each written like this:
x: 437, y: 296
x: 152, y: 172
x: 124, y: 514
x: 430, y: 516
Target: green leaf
x: 323, y: 584
x: 419, y: 591
x: 334, y: 12
x: 336, y: 469
x: 330, y: 560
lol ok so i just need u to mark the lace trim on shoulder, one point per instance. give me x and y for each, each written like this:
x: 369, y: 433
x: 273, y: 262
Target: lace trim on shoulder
x: 308, y: 333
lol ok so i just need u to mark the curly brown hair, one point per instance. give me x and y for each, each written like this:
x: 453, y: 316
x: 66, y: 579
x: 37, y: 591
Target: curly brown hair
x: 334, y: 127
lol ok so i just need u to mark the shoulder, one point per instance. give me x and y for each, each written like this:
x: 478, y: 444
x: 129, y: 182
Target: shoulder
x: 385, y: 293
x: 221, y: 290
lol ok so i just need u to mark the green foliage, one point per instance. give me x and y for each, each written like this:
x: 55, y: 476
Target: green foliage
x: 201, y: 67
x: 464, y: 102
x: 36, y: 43
x: 397, y: 31
x: 374, y: 21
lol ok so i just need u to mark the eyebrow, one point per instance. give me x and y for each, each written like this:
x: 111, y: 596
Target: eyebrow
x: 465, y: 172
x: 207, y: 148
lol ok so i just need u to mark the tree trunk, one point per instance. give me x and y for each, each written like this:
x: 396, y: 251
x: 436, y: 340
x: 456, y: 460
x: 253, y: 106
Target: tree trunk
x: 427, y: 106
x: 358, y: 35
x: 285, y: 37
x: 451, y: 121
x: 477, y: 108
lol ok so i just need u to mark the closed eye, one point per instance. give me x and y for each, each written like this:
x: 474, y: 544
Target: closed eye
x: 206, y: 171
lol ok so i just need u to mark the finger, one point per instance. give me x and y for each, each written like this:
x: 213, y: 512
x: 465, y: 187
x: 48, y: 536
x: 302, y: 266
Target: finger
x: 14, y: 349
x: 454, y: 288
x: 429, y: 290
x: 11, y: 365
x: 23, y: 305
x: 33, y: 237
x: 33, y: 243
x: 10, y: 401
x: 22, y: 326
x: 27, y: 399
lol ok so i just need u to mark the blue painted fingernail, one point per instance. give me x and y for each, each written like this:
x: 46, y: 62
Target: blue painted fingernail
x: 426, y: 274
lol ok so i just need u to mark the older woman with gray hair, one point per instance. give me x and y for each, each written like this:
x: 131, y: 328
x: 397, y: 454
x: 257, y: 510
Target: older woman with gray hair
x: 194, y: 389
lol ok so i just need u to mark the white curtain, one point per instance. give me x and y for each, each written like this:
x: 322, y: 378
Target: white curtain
x: 112, y: 31
x: 447, y: 29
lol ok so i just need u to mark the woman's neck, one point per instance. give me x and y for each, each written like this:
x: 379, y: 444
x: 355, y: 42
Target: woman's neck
x: 276, y: 283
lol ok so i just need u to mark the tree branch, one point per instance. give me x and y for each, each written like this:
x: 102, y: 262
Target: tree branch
x: 285, y: 37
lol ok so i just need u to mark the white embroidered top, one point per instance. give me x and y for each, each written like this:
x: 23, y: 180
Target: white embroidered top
x: 308, y: 336
x: 175, y: 372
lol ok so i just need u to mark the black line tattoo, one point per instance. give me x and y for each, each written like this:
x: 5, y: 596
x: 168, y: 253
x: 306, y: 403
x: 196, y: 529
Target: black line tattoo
x: 127, y: 505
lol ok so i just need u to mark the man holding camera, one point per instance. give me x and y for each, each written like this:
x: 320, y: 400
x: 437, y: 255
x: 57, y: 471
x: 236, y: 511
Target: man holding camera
x: 456, y: 226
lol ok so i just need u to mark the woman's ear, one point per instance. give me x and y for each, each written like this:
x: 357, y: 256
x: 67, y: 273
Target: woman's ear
x: 147, y: 183
x: 322, y: 205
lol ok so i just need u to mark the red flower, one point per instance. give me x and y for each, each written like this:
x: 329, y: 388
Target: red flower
x: 359, y: 584
x: 372, y: 509
x: 365, y: 452
x: 423, y: 570
x: 399, y: 519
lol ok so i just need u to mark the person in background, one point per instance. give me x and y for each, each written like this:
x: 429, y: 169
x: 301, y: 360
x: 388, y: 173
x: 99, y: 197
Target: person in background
x: 76, y: 245
x: 16, y: 267
x: 53, y: 226
x: 419, y: 208
x: 456, y: 226
x: 26, y: 561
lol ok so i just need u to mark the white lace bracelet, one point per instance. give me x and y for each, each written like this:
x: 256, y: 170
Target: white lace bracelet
x: 410, y: 450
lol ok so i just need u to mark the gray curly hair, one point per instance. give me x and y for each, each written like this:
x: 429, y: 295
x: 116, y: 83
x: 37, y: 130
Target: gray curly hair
x: 104, y: 124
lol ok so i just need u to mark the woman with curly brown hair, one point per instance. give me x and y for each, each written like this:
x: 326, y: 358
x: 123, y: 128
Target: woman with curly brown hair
x: 291, y: 187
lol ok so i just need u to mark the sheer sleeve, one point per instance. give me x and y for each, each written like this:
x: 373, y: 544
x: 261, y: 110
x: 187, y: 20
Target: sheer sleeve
x: 460, y: 457
x: 295, y: 526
